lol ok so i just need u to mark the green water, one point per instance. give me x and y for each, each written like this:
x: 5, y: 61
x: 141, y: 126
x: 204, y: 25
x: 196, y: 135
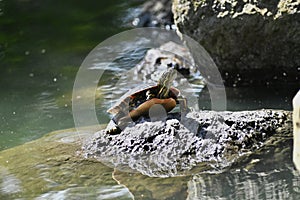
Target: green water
x: 42, y: 44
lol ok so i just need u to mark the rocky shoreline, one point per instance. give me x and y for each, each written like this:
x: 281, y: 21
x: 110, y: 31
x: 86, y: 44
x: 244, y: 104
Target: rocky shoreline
x: 252, y: 43
x: 202, y: 141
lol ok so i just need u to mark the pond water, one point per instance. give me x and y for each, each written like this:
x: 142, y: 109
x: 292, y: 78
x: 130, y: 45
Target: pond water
x: 42, y: 45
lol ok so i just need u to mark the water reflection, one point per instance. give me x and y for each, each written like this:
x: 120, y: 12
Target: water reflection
x: 266, y: 174
x: 46, y: 102
x: 101, y: 193
x: 10, y: 183
x: 238, y: 184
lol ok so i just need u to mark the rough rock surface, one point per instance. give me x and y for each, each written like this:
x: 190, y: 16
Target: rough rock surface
x: 167, y: 55
x: 203, y: 141
x: 155, y: 13
x: 252, y: 42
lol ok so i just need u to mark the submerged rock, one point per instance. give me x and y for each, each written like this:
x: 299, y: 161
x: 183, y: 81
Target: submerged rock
x: 251, y: 42
x: 203, y: 141
x: 53, y: 166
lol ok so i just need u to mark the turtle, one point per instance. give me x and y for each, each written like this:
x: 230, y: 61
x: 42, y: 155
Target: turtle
x: 137, y: 103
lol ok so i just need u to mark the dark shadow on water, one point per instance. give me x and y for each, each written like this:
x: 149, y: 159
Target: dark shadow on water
x: 253, y: 98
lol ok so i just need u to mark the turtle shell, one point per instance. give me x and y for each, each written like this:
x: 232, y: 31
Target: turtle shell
x: 135, y: 97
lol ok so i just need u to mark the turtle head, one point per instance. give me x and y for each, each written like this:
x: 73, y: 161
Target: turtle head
x: 165, y: 82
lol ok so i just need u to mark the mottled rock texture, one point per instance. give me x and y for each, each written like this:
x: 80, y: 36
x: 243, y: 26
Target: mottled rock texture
x: 155, y: 13
x: 202, y: 141
x: 158, y: 60
x: 252, y: 42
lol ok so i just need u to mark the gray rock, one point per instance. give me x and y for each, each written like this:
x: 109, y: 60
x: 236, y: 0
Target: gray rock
x: 252, y: 42
x: 158, y: 60
x: 155, y: 13
x: 202, y: 141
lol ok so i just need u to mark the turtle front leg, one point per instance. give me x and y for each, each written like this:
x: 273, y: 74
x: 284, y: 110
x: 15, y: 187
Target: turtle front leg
x: 114, y: 131
x: 183, y: 105
x: 114, y: 127
x: 120, y: 125
x: 142, y: 110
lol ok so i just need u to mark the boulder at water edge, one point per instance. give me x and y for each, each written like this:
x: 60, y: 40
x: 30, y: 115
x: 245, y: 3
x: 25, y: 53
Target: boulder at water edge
x: 202, y: 141
x: 251, y: 42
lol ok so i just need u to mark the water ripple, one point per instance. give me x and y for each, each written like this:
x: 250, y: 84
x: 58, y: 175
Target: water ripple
x: 104, y: 192
x: 10, y: 183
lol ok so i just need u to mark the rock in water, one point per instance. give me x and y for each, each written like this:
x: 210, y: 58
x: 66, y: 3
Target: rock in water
x: 168, y: 55
x: 155, y: 13
x: 252, y: 42
x: 203, y: 141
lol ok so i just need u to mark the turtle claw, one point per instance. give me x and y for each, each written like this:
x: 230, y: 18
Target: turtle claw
x: 116, y: 125
x: 114, y: 131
